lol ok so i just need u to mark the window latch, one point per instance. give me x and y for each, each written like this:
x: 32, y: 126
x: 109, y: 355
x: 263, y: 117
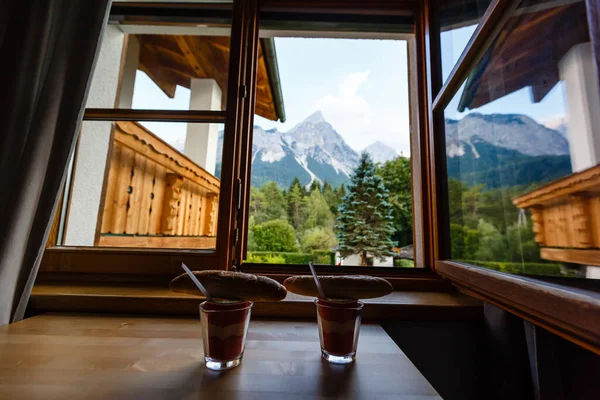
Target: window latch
x: 244, y: 92
x: 239, y: 199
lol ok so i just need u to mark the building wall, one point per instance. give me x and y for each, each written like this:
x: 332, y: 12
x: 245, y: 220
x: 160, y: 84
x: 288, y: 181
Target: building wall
x: 94, y: 143
x: 354, y: 259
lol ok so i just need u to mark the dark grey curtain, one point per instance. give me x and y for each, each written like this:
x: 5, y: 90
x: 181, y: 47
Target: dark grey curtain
x: 47, y: 53
x: 593, y: 14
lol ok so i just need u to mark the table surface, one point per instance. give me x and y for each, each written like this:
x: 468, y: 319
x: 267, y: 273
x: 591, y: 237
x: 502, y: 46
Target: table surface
x: 77, y: 356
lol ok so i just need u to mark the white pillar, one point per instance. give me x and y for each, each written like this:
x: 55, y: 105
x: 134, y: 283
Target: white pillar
x: 94, y: 141
x: 130, y: 66
x: 578, y: 72
x: 201, y: 139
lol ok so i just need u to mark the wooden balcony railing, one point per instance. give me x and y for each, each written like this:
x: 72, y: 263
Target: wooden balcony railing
x: 155, y: 196
x: 566, y: 217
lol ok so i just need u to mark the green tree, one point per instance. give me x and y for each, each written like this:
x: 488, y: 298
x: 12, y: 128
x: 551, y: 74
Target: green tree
x: 317, y: 212
x: 251, y: 241
x: 269, y: 204
x: 276, y: 235
x: 340, y: 191
x: 315, y: 186
x: 256, y: 201
x: 492, y: 243
x: 317, y: 238
x: 464, y: 242
x: 521, y: 243
x: 295, y: 205
x: 397, y: 179
x: 456, y: 189
x: 332, y: 198
x: 296, y: 182
x: 365, y: 225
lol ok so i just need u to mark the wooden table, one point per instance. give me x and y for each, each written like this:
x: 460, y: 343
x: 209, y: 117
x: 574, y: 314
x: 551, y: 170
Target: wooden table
x: 76, y: 356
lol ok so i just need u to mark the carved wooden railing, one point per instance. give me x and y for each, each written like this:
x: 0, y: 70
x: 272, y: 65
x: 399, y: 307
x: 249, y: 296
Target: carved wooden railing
x: 566, y: 217
x: 155, y: 196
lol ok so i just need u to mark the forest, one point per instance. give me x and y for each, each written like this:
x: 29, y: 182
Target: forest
x: 298, y: 224
x: 485, y: 229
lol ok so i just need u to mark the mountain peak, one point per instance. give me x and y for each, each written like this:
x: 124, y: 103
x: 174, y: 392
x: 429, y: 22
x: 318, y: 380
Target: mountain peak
x: 380, y: 152
x: 315, y: 118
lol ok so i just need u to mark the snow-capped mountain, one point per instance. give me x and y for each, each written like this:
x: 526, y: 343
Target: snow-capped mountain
x: 311, y: 150
x: 502, y: 150
x: 380, y: 152
x: 509, y: 131
x: 495, y: 150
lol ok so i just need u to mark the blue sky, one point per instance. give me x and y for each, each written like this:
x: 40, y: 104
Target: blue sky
x: 360, y: 85
x: 548, y: 111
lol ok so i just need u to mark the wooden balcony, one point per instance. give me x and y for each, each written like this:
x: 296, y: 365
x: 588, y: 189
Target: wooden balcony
x: 566, y: 217
x: 155, y: 196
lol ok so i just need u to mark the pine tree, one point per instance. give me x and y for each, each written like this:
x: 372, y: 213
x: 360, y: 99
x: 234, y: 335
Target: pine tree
x: 332, y: 198
x: 270, y: 205
x: 340, y: 191
x: 296, y: 182
x: 315, y: 185
x: 365, y: 225
x: 397, y: 179
x: 295, y: 204
x: 317, y: 212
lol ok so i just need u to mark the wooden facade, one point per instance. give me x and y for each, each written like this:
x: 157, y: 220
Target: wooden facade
x: 566, y: 217
x: 156, y: 196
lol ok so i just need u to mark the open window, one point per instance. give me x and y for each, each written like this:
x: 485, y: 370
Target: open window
x: 331, y: 183
x: 521, y: 141
x: 149, y: 180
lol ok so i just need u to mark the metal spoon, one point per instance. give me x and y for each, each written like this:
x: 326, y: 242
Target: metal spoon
x: 197, y: 283
x: 314, y: 274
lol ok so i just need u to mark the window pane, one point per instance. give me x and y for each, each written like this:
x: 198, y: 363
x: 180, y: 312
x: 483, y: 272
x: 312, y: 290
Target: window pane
x: 145, y: 185
x: 313, y: 197
x: 158, y: 65
x: 522, y: 147
x: 458, y: 20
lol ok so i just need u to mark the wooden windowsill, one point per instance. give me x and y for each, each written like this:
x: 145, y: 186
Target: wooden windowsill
x: 158, y: 299
x: 569, y: 308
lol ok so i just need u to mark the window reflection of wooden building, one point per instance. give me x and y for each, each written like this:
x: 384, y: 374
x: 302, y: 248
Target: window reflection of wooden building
x: 543, y: 46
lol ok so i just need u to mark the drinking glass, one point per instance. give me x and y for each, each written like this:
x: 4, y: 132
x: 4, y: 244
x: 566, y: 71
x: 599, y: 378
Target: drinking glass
x: 224, y: 329
x: 339, y: 326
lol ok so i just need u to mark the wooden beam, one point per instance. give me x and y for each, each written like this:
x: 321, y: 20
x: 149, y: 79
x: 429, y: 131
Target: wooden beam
x: 172, y: 242
x: 198, y: 52
x: 576, y: 256
x: 583, y: 181
x: 160, y: 76
x: 190, y: 56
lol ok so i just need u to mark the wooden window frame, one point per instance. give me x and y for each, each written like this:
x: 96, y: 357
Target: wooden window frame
x: 423, y: 264
x: 568, y: 307
x: 94, y: 260
x: 86, y: 263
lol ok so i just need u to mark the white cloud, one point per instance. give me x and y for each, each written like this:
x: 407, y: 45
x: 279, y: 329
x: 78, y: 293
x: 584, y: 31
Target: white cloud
x: 352, y: 83
x: 352, y: 116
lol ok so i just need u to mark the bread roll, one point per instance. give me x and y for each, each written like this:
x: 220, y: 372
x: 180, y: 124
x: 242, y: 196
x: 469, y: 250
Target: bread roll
x: 231, y: 286
x: 353, y: 287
